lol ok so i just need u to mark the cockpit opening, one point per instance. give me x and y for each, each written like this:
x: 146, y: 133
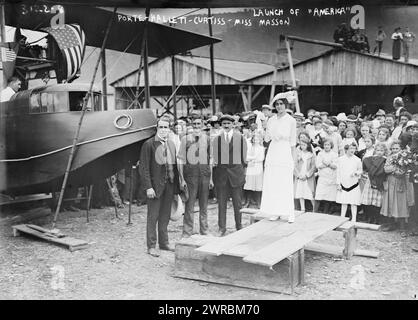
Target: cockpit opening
x: 62, y: 101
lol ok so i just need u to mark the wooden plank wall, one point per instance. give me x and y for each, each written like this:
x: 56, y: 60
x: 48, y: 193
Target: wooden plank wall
x: 346, y: 68
x: 186, y: 73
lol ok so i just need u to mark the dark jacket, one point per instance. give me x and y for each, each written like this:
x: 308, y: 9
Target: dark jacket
x: 229, y: 160
x: 153, y: 169
x: 374, y: 166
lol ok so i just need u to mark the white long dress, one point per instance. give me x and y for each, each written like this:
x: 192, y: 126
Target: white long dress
x: 326, y: 188
x: 277, y: 196
x: 254, y: 173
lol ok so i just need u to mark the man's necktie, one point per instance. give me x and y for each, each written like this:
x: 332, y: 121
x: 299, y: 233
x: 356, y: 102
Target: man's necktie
x: 169, y: 163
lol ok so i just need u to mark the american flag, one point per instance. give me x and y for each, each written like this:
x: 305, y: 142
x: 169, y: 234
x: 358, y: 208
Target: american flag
x: 8, y: 54
x: 71, y: 41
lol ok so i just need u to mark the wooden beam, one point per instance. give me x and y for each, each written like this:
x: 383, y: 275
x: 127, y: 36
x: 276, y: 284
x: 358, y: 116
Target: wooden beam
x: 212, y: 66
x: 367, y: 226
x: 146, y: 73
x: 250, y: 97
x: 350, y: 242
x: 325, y: 249
x: 156, y: 100
x: 71, y: 243
x: 318, y: 42
x: 366, y: 253
x: 104, y: 82
x: 244, y: 98
x: 292, y: 72
x: 173, y: 85
x: 258, y: 92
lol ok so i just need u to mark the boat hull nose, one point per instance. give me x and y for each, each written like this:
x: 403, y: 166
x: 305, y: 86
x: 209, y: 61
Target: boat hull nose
x: 105, y: 137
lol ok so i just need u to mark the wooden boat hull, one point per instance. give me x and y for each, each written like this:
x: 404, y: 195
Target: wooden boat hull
x: 35, y: 148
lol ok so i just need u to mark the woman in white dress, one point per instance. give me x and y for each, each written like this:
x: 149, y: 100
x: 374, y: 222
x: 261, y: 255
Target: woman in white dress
x: 277, y: 196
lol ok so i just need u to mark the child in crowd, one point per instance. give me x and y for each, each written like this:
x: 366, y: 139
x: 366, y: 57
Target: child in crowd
x: 317, y: 135
x: 371, y: 197
x: 396, y: 197
x: 383, y: 136
x: 349, y: 137
x: 342, y: 126
x: 326, y: 189
x: 331, y: 134
x: 364, y: 131
x: 374, y: 132
x: 368, y: 149
x: 254, y: 174
x: 304, y: 174
x: 349, y: 169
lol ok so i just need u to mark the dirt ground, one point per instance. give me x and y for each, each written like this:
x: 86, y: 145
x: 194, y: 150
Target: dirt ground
x: 116, y: 265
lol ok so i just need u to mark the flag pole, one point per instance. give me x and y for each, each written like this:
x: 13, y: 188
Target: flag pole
x: 85, y: 101
x: 3, y: 39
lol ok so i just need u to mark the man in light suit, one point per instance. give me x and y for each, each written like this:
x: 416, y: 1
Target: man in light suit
x: 158, y: 171
x: 229, y: 157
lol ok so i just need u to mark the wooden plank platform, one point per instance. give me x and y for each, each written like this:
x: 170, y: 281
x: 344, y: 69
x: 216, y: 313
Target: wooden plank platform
x: 55, y: 237
x: 219, y: 247
x: 268, y: 242
x: 349, y: 230
x: 297, y: 235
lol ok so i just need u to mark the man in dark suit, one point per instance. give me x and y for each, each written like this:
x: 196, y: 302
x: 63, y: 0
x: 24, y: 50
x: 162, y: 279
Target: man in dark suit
x: 229, y: 157
x: 158, y: 169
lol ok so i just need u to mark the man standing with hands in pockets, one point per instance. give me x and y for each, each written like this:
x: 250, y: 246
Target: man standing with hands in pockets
x: 160, y: 180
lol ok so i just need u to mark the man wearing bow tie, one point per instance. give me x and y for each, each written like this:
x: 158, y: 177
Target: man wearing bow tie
x: 229, y: 158
x: 158, y: 169
x: 195, y: 172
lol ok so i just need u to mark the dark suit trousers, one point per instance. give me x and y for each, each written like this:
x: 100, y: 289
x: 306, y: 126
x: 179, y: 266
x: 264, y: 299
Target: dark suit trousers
x: 198, y: 187
x: 159, y: 211
x: 223, y: 192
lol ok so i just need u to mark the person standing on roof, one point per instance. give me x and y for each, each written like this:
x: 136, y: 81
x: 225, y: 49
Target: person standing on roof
x: 397, y: 38
x: 380, y: 37
x: 408, y: 41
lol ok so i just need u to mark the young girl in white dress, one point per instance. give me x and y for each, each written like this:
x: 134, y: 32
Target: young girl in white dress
x: 254, y: 174
x: 304, y: 174
x: 349, y: 169
x: 326, y: 189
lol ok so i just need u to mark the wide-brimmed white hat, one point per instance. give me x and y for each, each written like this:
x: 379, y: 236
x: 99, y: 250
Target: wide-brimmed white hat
x: 290, y: 96
x: 342, y: 116
x: 411, y: 123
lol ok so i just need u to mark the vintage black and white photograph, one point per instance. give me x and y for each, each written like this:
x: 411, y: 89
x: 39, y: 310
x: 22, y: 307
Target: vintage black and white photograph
x: 209, y: 150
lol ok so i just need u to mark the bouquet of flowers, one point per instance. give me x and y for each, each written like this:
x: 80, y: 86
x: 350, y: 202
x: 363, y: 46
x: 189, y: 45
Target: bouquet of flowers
x: 405, y: 161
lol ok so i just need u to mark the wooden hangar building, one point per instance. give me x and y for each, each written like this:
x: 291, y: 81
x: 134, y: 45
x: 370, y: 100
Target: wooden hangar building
x: 333, y: 81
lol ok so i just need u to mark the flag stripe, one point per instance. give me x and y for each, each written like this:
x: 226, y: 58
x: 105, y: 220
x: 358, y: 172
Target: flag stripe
x: 71, y: 40
x: 7, y: 54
